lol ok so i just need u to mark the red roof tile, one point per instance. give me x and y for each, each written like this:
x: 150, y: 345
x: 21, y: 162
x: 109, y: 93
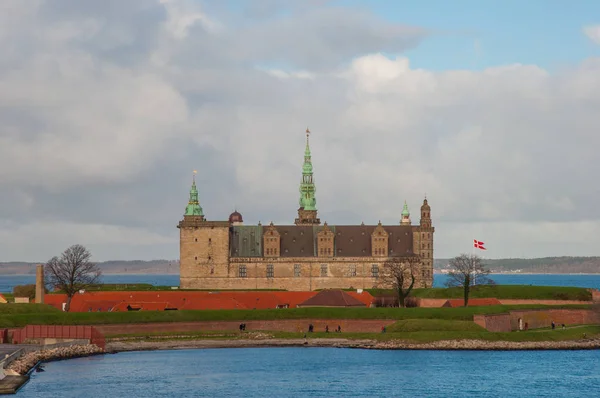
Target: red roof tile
x: 332, y: 298
x: 190, y: 300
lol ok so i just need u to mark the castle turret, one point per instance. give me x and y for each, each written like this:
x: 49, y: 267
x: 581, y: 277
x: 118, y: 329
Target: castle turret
x: 424, y: 243
x: 307, y: 212
x: 405, y: 220
x: 203, y: 245
x: 193, y: 208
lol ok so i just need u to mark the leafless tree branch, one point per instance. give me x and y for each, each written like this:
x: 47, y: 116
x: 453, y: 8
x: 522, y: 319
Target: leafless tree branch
x: 72, y: 271
x: 400, y: 274
x: 468, y: 270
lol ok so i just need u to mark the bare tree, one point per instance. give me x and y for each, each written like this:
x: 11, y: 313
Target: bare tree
x: 72, y: 272
x: 467, y: 270
x: 400, y: 274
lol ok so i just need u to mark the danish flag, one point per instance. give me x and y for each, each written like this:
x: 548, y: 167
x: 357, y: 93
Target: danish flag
x: 477, y: 244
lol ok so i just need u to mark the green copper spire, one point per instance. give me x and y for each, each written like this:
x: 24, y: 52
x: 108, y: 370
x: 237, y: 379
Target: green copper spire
x: 193, y: 208
x: 405, y: 210
x: 307, y: 187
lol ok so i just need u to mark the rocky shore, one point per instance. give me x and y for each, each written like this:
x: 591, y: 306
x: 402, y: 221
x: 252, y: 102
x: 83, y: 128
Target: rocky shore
x: 23, y: 364
x: 140, y: 345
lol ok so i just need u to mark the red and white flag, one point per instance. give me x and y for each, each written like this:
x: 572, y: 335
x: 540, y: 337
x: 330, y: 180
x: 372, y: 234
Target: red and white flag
x: 477, y: 244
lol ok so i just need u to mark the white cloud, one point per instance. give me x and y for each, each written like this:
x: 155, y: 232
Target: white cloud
x: 107, y: 109
x: 593, y: 33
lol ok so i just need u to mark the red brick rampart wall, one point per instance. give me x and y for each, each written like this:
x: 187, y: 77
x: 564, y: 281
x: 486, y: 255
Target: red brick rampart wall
x: 430, y: 303
x: 543, y: 318
x: 595, y: 294
x: 284, y: 325
x: 543, y: 302
x: 435, y: 303
x: 536, y: 319
x: 494, y: 323
x: 77, y: 332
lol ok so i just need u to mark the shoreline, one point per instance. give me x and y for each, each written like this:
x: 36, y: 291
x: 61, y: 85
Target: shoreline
x: 442, y: 345
x: 28, y: 362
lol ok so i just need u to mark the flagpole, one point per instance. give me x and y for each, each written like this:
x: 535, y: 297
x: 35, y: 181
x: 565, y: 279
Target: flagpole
x: 472, y: 270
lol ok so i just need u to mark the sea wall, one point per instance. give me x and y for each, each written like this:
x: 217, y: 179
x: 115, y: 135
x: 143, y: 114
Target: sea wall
x: 27, y: 361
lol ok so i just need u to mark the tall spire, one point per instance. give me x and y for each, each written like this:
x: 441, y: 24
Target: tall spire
x: 193, y: 208
x: 308, y: 200
x: 307, y: 213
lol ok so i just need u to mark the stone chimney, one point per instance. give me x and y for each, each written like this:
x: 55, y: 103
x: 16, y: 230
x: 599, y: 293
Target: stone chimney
x: 39, y: 284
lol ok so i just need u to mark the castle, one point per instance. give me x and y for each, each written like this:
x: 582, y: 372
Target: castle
x: 304, y: 256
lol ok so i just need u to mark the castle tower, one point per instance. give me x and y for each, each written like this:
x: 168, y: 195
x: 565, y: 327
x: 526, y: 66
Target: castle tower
x: 307, y: 212
x: 425, y: 244
x: 405, y: 220
x: 203, y: 245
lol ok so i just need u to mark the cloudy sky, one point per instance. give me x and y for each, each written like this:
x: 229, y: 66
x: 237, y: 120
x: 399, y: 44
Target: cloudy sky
x: 492, y: 109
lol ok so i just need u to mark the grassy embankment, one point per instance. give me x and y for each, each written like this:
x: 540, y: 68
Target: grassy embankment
x: 16, y: 315
x: 517, y: 292
x: 514, y: 292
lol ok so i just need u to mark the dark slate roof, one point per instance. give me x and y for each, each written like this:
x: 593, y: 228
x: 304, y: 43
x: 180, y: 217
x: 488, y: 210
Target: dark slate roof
x: 301, y: 241
x: 246, y: 241
x: 332, y: 298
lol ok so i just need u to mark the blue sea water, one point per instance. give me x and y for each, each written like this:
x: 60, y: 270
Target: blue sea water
x: 321, y: 372
x: 7, y: 282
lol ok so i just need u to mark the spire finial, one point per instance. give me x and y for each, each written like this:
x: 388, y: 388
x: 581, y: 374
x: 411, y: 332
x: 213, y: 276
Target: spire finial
x: 194, y: 176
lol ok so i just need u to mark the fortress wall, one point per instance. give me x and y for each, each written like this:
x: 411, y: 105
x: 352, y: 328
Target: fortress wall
x: 284, y: 325
x: 543, y: 318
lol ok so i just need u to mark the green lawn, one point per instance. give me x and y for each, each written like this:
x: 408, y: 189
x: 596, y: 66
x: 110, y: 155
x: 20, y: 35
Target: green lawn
x: 48, y: 316
x: 516, y: 292
x: 26, y: 309
x: 392, y: 333
x: 576, y: 333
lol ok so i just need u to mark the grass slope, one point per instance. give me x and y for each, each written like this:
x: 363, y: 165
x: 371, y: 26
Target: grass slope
x: 453, y: 330
x: 53, y: 317
x: 515, y: 292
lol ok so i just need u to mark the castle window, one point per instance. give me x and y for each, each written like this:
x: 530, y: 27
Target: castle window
x: 242, y: 271
x: 296, y: 270
x: 323, y: 270
x: 209, y: 241
x: 352, y: 270
x: 196, y: 240
x: 195, y: 258
x: 375, y: 271
x: 269, y: 270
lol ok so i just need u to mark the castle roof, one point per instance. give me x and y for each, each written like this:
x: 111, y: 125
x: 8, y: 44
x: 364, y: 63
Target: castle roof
x: 300, y: 241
